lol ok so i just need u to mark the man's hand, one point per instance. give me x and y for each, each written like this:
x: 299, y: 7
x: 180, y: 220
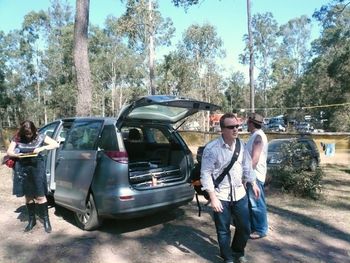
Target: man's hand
x: 215, y: 202
x: 256, y: 190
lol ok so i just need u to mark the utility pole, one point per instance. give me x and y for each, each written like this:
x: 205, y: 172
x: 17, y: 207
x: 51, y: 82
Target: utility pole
x: 251, y: 58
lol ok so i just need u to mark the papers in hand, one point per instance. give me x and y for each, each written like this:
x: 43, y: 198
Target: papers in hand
x: 26, y: 155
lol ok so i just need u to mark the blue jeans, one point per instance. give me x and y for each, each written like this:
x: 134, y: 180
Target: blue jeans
x: 258, y: 213
x: 239, y: 212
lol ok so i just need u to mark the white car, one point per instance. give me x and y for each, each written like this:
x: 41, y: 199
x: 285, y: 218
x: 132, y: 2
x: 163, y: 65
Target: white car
x: 276, y: 127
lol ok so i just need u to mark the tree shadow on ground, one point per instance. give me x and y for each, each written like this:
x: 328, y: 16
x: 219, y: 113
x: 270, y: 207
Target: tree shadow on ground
x: 60, y: 248
x: 336, y: 183
x: 310, y: 222
x: 171, y: 230
x: 119, y: 226
x: 346, y: 171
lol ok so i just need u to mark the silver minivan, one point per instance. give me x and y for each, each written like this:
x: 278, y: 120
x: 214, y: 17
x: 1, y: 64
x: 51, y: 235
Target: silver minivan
x: 122, y: 167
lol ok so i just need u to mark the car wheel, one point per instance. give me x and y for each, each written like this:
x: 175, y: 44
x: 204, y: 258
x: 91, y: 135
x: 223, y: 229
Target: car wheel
x: 313, y: 165
x: 88, y: 220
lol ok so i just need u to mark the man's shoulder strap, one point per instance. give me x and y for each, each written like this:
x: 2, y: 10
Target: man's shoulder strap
x: 235, y: 155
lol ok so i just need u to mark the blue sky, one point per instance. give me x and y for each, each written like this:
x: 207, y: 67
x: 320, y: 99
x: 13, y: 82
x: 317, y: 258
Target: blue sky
x: 228, y: 16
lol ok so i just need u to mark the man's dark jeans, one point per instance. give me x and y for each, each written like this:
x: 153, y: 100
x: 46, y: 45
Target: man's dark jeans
x: 239, y: 212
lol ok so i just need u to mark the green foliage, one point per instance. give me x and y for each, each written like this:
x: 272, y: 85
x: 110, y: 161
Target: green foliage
x: 185, y: 3
x: 237, y: 92
x: 295, y: 178
x: 201, y: 43
x: 301, y: 183
x: 37, y: 71
x: 136, y: 26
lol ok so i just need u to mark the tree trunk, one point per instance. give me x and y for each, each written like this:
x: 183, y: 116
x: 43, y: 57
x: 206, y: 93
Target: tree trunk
x: 251, y: 58
x: 151, y: 48
x: 81, y: 58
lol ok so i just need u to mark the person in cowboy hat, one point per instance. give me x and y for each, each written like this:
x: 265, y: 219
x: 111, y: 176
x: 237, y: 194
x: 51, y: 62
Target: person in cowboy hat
x: 255, y: 167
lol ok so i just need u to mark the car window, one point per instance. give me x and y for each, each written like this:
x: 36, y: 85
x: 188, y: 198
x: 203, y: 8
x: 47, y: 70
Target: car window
x: 108, y: 141
x: 83, y: 135
x: 159, y: 136
x: 132, y: 134
x: 62, y: 134
x: 49, y: 129
x: 305, y: 145
x: 275, y: 146
x: 160, y: 112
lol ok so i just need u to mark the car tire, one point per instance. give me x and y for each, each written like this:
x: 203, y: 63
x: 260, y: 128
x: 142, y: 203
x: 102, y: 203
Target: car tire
x: 88, y: 220
x: 313, y: 165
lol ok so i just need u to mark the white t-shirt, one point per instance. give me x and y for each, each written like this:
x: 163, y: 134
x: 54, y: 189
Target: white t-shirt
x: 261, y: 168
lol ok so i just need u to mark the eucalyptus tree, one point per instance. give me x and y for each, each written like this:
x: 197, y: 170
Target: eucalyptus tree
x: 296, y: 34
x: 61, y: 96
x: 22, y: 69
x: 328, y: 74
x: 292, y: 57
x: 185, y: 3
x: 237, y: 92
x: 191, y: 70
x: 202, y: 45
x: 7, y: 103
x: 264, y: 31
x: 116, y: 69
x: 145, y: 29
x: 251, y: 57
x: 38, y: 63
x: 81, y: 58
x: 176, y: 74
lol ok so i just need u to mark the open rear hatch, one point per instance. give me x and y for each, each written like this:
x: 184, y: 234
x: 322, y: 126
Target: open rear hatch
x: 158, y: 111
x: 161, y: 108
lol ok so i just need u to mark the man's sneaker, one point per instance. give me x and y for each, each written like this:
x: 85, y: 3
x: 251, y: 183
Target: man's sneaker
x: 256, y: 235
x: 241, y: 259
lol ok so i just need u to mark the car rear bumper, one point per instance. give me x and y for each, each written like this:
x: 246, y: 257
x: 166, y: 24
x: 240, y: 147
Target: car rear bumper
x: 129, y: 203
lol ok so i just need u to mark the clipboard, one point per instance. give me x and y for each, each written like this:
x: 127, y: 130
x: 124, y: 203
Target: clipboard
x: 27, y: 155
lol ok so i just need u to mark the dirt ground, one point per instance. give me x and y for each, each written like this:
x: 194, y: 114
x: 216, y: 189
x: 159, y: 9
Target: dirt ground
x: 300, y: 231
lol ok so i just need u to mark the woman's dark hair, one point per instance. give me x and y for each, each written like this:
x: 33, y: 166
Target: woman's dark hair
x: 27, y: 128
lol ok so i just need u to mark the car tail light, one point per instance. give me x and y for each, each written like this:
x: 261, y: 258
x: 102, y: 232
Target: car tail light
x: 118, y: 156
x: 126, y: 197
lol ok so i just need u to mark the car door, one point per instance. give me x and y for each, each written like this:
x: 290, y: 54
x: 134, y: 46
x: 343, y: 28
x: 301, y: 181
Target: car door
x: 51, y: 131
x: 76, y: 162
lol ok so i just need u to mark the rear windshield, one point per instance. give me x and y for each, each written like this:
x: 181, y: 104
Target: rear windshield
x: 159, y: 112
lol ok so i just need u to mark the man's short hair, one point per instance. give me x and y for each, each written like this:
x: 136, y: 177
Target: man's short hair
x: 227, y: 115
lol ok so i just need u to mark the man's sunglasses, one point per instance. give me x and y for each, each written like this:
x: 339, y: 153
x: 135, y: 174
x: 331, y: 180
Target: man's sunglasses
x: 231, y: 127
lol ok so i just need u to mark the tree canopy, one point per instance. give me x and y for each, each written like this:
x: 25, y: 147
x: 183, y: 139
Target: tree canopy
x: 38, y: 80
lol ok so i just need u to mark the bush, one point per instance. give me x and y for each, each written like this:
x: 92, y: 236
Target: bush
x: 296, y: 179
x: 299, y: 182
